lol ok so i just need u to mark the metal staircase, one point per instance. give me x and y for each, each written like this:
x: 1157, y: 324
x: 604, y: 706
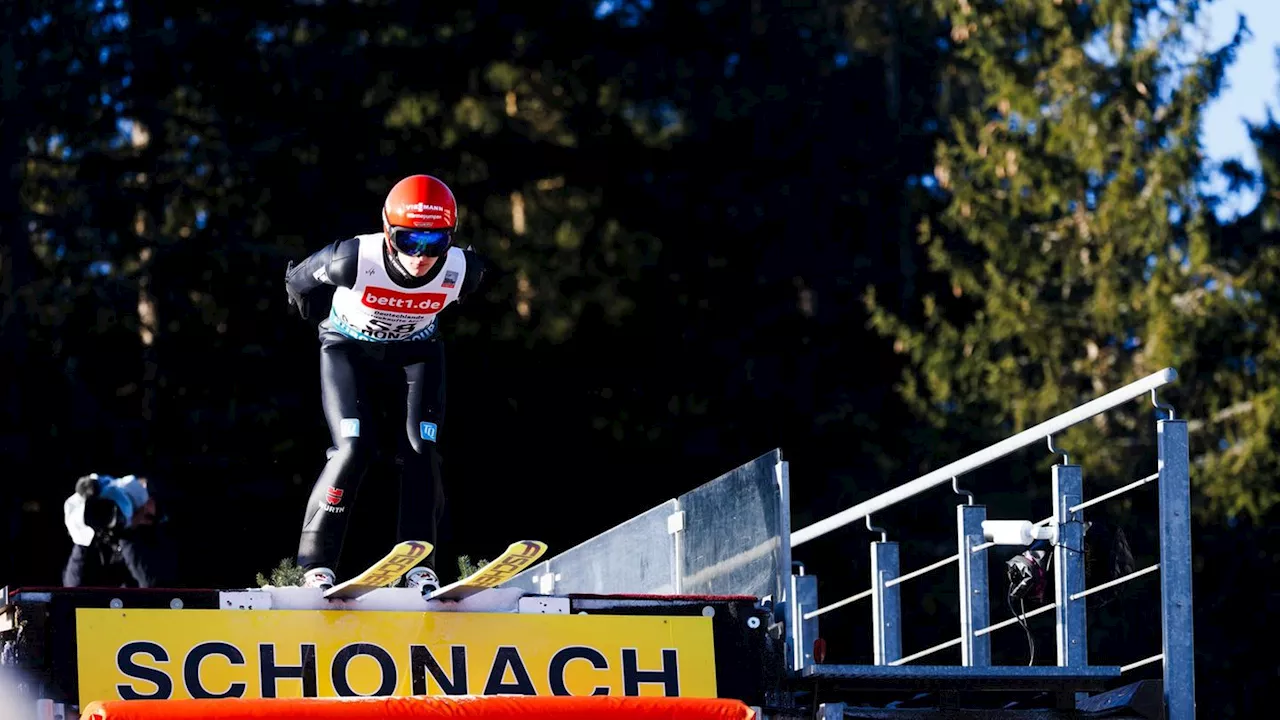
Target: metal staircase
x: 733, y: 536
x: 1072, y: 679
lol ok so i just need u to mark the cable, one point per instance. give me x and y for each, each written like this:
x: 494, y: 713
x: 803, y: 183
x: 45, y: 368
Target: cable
x: 1022, y: 620
x: 1028, y: 573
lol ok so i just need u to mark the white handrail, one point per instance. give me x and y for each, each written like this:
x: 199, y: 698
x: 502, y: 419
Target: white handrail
x: 986, y: 455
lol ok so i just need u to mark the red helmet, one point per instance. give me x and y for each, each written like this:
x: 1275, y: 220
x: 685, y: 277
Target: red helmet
x: 420, y: 216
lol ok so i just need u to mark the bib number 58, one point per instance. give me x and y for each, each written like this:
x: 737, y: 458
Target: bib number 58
x: 383, y: 330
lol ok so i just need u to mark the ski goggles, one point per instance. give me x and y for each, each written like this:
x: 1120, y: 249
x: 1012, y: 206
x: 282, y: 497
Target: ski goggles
x: 416, y: 243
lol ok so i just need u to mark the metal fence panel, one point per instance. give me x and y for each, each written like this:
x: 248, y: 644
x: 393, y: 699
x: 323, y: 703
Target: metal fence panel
x: 637, y: 556
x: 737, y: 531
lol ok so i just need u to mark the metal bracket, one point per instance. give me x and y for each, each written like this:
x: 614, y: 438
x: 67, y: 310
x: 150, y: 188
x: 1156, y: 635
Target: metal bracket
x: 675, y: 522
x: 1066, y: 459
x: 884, y: 536
x: 544, y: 605
x: 244, y: 600
x: 1161, y: 406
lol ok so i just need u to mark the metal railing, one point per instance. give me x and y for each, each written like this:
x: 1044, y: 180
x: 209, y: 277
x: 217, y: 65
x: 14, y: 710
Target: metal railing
x: 976, y: 534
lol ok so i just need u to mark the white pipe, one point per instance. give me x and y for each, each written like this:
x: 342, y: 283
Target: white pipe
x: 986, y: 455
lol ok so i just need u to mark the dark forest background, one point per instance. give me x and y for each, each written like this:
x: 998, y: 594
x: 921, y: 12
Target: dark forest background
x: 876, y: 234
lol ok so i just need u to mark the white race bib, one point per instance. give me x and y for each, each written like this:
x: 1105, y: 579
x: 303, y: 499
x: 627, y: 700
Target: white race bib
x: 376, y: 309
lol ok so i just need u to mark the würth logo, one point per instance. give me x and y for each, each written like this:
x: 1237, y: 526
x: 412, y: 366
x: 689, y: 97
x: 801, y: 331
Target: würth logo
x: 426, y: 303
x: 333, y: 501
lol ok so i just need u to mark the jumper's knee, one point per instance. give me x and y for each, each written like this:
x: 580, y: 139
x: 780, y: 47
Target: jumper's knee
x: 351, y: 453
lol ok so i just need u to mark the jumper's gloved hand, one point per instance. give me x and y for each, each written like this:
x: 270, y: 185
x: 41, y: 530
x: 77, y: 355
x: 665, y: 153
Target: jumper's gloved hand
x: 296, y: 299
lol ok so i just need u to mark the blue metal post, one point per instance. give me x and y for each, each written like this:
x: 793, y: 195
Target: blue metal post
x: 1068, y: 566
x: 804, y: 599
x: 1175, y: 570
x: 975, y: 610
x: 886, y: 605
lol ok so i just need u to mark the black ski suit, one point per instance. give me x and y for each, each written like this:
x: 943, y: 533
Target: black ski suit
x: 356, y: 367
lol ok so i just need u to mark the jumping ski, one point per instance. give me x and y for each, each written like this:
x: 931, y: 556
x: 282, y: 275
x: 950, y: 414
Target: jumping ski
x: 384, y: 573
x: 519, y: 555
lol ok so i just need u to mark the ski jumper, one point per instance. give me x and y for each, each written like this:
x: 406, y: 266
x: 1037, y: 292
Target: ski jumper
x: 380, y: 334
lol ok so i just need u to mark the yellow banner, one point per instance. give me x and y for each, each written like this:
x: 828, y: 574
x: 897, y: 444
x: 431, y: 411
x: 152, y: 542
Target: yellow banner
x: 131, y: 654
